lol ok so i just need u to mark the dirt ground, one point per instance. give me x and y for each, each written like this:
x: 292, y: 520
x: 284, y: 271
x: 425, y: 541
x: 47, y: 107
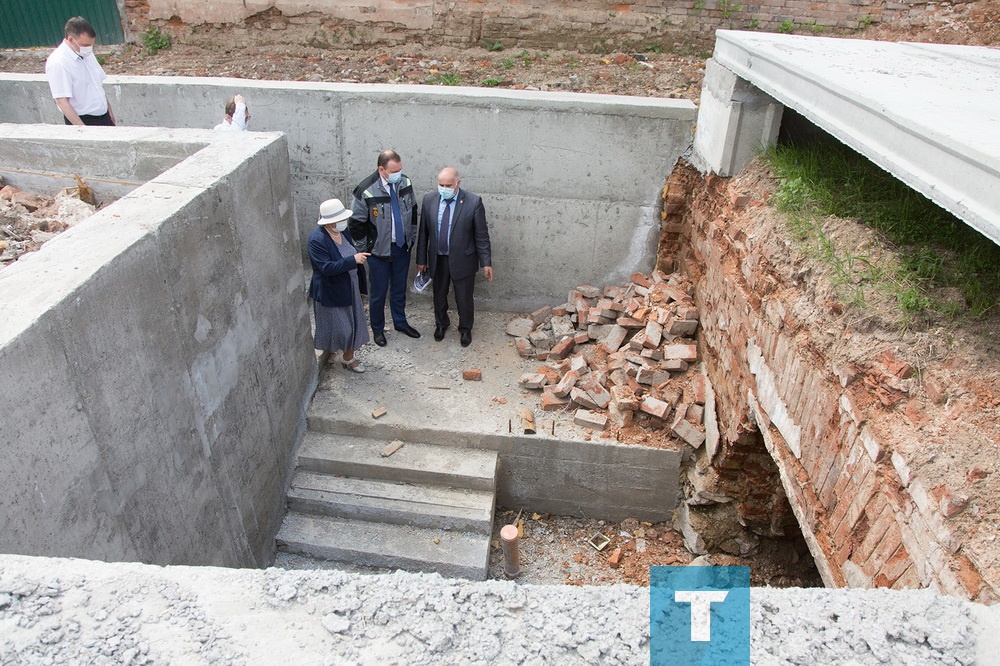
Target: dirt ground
x: 220, y: 52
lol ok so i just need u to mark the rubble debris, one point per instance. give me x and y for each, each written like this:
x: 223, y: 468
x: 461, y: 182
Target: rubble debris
x: 617, y: 352
x: 472, y: 375
x: 28, y: 220
x: 380, y: 412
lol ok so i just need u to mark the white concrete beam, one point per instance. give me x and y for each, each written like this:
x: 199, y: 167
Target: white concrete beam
x: 928, y: 114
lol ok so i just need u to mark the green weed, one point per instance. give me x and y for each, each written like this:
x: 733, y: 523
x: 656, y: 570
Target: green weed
x: 155, y: 40
x: 787, y: 26
x: 445, y: 79
x: 495, y: 46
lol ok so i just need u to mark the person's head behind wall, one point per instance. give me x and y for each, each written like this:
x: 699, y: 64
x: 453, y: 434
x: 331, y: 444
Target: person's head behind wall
x: 80, y: 35
x: 231, y: 111
x: 390, y: 166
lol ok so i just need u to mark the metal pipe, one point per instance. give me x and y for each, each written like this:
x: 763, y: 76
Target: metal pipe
x: 511, y: 554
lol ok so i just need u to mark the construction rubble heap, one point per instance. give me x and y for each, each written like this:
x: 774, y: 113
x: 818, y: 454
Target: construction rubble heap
x: 624, y: 355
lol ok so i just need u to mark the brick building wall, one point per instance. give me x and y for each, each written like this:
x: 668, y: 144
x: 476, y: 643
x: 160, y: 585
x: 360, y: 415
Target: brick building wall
x: 868, y: 521
x: 559, y: 24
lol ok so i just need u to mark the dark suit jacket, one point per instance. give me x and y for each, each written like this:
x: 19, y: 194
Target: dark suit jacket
x: 331, y: 278
x: 470, y: 237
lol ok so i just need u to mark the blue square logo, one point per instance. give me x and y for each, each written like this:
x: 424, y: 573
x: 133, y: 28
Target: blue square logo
x: 699, y: 615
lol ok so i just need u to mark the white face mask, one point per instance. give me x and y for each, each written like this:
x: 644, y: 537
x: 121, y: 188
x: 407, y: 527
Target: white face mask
x: 340, y: 226
x: 86, y: 51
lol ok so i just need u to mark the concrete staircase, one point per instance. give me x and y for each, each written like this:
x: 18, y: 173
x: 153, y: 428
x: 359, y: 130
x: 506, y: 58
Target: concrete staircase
x: 423, y: 508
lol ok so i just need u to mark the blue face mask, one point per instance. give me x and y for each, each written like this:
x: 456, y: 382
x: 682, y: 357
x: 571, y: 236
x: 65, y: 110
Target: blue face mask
x: 447, y: 193
x: 394, y: 177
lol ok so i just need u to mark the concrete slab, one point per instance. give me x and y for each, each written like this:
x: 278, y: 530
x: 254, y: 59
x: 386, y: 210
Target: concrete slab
x: 926, y: 113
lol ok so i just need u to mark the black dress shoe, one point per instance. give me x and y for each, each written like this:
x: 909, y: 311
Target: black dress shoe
x: 379, y: 338
x: 439, y: 333
x: 408, y: 330
x: 466, y: 338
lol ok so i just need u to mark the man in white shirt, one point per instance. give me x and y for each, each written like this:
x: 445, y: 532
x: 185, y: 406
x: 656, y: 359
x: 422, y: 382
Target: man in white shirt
x: 237, y: 116
x: 76, y: 79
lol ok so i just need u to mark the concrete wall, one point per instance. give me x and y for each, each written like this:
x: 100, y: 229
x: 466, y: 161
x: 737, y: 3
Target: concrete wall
x: 570, y: 181
x: 549, y: 474
x: 155, y: 357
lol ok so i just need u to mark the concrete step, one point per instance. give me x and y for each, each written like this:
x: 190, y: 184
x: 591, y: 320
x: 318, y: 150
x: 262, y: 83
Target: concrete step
x: 457, y: 554
x: 414, y: 463
x: 419, y: 505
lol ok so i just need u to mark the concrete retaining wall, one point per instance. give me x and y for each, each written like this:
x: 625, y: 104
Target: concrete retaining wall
x: 551, y: 475
x: 155, y: 357
x: 570, y: 181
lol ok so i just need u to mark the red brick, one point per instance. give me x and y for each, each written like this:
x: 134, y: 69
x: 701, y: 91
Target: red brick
x: 655, y: 407
x: 654, y: 333
x: 909, y: 580
x: 524, y: 348
x: 581, y: 338
x: 615, y: 338
x: 472, y: 375
x: 562, y: 348
x: 551, y: 402
x: 876, y: 532
x: 896, y: 564
x: 590, y: 419
x: 624, y: 398
x: 541, y: 314
x: 616, y: 557
x: 565, y: 384
x: 698, y: 387
x: 682, y: 352
x: 582, y: 398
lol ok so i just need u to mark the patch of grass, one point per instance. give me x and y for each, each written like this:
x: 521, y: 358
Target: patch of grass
x: 654, y: 48
x: 934, y: 248
x: 507, y: 63
x: 495, y: 46
x: 699, y: 5
x: 753, y: 24
x: 155, y: 41
x: 492, y: 82
x: 787, y: 26
x: 525, y: 58
x: 865, y: 22
x: 445, y: 79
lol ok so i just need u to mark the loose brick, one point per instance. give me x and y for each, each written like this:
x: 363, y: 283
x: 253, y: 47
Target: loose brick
x: 588, y: 291
x: 567, y: 382
x: 520, y: 328
x: 638, y: 341
x: 533, y: 380
x: 687, y: 432
x: 629, y: 322
x: 641, y: 280
x: 541, y: 314
x: 581, y: 337
x: 698, y: 383
x: 599, y: 395
x: 472, y: 375
x: 552, y: 402
x: 614, y: 340
x: 654, y: 407
x: 562, y: 348
x: 685, y: 327
x: 578, y: 364
x: 616, y: 558
x: 590, y: 419
x: 540, y: 340
x: 653, y: 335
x: 674, y: 365
x: 552, y: 375
x: 582, y: 398
x: 559, y: 311
x: 687, y: 353
x: 624, y: 398
x: 524, y: 347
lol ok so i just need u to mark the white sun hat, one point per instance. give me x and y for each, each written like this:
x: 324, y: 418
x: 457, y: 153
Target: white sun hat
x: 332, y: 210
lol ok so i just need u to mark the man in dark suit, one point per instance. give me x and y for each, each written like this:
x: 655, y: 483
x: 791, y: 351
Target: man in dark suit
x: 452, y: 243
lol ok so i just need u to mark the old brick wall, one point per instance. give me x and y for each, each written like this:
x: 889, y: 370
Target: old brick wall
x: 567, y: 24
x: 868, y: 521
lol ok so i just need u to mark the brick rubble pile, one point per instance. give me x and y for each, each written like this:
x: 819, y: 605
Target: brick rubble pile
x: 624, y: 355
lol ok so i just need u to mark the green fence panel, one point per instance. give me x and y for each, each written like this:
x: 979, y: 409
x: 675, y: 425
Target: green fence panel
x: 25, y: 23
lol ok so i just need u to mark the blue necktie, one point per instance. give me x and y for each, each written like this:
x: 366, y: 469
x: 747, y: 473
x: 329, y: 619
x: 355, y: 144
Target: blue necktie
x: 397, y: 217
x: 443, y: 232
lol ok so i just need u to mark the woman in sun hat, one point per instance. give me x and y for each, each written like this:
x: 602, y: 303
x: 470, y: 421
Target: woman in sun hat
x: 340, y: 317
